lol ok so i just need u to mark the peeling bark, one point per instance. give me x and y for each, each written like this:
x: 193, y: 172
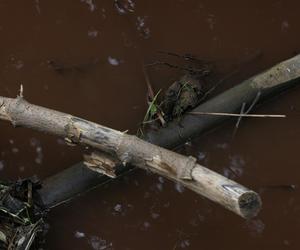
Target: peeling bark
x: 102, y: 163
x: 132, y: 150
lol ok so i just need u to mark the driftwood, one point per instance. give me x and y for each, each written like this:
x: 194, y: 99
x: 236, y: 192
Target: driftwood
x: 130, y: 149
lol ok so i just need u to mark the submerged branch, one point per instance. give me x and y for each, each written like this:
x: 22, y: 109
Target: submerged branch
x: 280, y: 76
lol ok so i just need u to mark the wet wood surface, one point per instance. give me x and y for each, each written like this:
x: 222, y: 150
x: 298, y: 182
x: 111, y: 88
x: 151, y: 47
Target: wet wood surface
x: 130, y: 149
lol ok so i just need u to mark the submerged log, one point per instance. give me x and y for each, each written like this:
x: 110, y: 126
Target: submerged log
x: 132, y: 150
x: 280, y: 76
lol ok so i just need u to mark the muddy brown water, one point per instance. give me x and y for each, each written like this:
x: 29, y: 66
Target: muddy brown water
x: 85, y: 57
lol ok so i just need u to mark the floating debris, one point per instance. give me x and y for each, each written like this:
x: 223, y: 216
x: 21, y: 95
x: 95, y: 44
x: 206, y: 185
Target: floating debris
x: 15, y: 150
x: 146, y: 225
x: 90, y: 3
x: 21, y: 219
x: 39, y: 157
x: 285, y: 26
x: 142, y: 27
x: 113, y: 61
x: 184, y: 244
x: 93, y: 33
x: 118, y: 208
x: 79, y: 235
x: 155, y: 215
x: 98, y: 243
x: 124, y: 6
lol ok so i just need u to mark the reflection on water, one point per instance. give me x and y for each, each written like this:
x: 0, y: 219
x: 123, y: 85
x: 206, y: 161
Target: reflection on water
x: 85, y: 57
x: 235, y: 168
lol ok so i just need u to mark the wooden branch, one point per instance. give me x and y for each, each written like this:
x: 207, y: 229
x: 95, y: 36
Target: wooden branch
x: 132, y: 150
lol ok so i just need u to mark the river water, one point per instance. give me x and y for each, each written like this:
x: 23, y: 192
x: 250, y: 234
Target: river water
x: 85, y: 57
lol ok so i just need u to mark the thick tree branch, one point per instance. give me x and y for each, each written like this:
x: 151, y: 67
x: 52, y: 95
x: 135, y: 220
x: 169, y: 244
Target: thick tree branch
x: 132, y: 150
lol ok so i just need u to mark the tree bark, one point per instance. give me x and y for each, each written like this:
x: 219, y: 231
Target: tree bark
x: 132, y: 150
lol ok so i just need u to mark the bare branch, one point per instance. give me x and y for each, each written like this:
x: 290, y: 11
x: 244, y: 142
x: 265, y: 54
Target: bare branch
x: 129, y: 149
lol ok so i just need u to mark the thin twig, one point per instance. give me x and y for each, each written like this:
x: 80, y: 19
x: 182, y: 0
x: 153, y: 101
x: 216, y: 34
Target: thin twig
x: 186, y: 57
x: 21, y: 93
x: 150, y: 121
x: 149, y: 86
x: 254, y: 102
x: 247, y: 111
x: 239, y: 120
x: 238, y: 115
x: 151, y: 96
x: 242, y: 113
x: 202, y: 71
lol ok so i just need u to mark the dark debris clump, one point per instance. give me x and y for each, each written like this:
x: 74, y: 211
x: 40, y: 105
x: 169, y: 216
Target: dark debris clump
x: 22, y: 224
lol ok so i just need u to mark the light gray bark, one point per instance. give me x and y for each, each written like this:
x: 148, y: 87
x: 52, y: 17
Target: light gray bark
x: 132, y: 150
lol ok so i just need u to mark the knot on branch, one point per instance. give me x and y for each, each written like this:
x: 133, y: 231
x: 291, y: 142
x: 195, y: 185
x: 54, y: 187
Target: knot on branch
x: 185, y: 173
x: 157, y: 163
x: 16, y: 108
x: 181, y: 169
x: 126, y: 148
x: 73, y: 133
